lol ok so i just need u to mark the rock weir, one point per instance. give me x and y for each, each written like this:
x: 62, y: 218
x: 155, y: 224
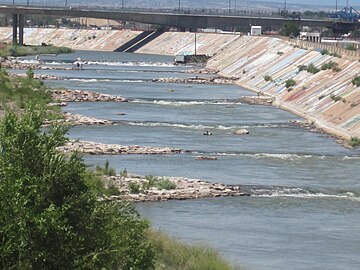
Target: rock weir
x: 84, y: 96
x: 185, y: 189
x: 94, y: 148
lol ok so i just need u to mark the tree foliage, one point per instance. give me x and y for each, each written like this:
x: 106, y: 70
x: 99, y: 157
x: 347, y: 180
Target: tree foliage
x: 50, y: 218
x: 290, y: 29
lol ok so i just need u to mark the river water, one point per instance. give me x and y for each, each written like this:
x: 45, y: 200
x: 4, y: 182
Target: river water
x: 304, y: 209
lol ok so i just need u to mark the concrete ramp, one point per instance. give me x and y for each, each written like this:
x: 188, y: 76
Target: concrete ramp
x: 139, y: 41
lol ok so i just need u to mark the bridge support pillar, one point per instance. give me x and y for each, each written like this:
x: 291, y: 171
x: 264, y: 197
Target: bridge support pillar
x: 21, y: 29
x: 15, y: 26
x: 18, y: 21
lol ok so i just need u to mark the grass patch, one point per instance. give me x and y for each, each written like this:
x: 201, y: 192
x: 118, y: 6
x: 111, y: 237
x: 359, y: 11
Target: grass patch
x: 354, y: 142
x: 16, y: 51
x: 106, y: 170
x: 159, y: 183
x: 18, y: 92
x: 171, y: 254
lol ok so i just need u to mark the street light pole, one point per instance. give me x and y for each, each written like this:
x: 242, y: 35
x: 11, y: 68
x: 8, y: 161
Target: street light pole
x: 65, y: 3
x: 179, y: 5
x: 229, y: 5
x: 122, y: 4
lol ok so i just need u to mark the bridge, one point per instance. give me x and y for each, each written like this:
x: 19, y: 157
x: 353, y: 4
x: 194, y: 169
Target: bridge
x: 166, y: 19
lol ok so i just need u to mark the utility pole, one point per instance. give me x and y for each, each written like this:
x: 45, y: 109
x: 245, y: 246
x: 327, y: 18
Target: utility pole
x: 65, y: 3
x: 122, y: 4
x: 179, y: 5
x: 229, y: 6
x: 336, y: 5
x: 285, y: 6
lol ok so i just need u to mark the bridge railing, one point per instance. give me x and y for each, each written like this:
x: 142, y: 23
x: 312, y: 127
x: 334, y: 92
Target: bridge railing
x: 183, y: 10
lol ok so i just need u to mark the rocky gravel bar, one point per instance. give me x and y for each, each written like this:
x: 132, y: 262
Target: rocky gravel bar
x: 84, y: 96
x: 94, y: 148
x: 185, y: 189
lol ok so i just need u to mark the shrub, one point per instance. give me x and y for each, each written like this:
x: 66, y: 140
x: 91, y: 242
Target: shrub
x: 302, y: 67
x: 45, y: 194
x: 267, y: 78
x: 280, y: 53
x: 160, y: 183
x: 330, y: 65
x: 356, y: 81
x: 351, y: 47
x: 312, y: 69
x: 165, y: 184
x: 290, y: 83
x: 324, y: 51
x: 113, y: 190
x: 355, y: 141
x: 335, y: 98
x: 134, y: 187
x: 335, y: 54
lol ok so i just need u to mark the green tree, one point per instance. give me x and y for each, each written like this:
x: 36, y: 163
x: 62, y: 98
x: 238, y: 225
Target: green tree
x: 50, y: 218
x: 290, y: 28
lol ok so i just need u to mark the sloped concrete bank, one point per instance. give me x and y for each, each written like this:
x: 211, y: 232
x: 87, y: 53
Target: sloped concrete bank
x: 327, y: 98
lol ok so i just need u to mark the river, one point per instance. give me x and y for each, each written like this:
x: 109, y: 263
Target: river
x: 304, y: 209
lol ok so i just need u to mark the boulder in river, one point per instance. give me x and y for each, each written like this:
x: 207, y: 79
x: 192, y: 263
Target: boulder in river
x: 241, y: 132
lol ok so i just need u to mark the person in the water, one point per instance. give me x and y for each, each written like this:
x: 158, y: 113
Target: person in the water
x: 207, y: 132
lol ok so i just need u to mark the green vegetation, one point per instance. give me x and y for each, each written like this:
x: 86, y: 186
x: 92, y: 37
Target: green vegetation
x: 290, y: 29
x: 50, y: 216
x: 124, y: 173
x: 173, y: 255
x: 302, y: 67
x: 354, y: 142
x: 330, y: 65
x: 312, y: 69
x: 17, y: 92
x: 15, y: 51
x: 160, y: 183
x: 289, y: 83
x: 106, y: 170
x: 335, y: 54
x: 356, y: 81
x: 351, y: 47
x: 267, y: 78
x: 336, y: 98
x: 280, y: 53
x: 134, y: 188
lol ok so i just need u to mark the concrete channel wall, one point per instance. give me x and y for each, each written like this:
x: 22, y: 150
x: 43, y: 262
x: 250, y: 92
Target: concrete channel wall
x: 328, y: 98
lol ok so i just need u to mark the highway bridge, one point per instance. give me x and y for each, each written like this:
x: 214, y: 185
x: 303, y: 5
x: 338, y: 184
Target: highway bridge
x: 174, y: 19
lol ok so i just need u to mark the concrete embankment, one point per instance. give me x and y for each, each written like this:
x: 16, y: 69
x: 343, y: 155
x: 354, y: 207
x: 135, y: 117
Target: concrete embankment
x: 328, y: 98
